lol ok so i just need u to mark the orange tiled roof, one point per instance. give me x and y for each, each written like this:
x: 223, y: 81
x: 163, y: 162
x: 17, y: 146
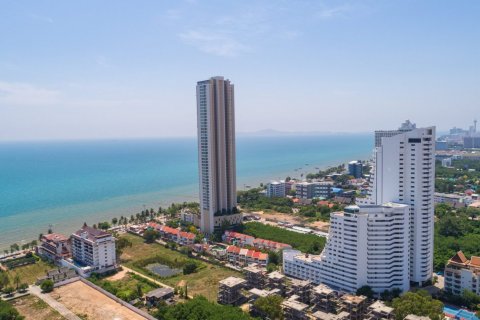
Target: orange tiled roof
x: 459, y: 258
x: 475, y: 261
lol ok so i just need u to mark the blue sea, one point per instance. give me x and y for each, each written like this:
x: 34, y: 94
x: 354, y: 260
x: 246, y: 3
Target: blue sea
x: 64, y: 183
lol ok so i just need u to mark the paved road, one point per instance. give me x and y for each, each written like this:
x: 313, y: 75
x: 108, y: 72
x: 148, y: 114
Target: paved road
x: 69, y: 315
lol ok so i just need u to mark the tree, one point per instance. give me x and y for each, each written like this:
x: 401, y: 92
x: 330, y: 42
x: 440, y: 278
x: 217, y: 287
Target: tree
x: 8, y: 312
x: 16, y: 280
x: 150, y: 235
x: 270, y: 306
x: 470, y: 298
x: 4, y: 280
x: 189, y: 267
x: 14, y: 247
x: 419, y: 303
x: 47, y: 285
x: 365, y: 291
x: 200, y: 308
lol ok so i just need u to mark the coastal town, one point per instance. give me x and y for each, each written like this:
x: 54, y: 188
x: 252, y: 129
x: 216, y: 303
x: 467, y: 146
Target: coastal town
x: 392, y: 237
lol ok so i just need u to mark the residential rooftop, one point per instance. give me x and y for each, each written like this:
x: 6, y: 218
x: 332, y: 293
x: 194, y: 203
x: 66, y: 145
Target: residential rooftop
x: 232, y: 281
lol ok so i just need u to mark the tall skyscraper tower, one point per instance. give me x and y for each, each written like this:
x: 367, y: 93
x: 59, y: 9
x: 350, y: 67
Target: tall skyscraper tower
x: 216, y: 154
x: 404, y: 172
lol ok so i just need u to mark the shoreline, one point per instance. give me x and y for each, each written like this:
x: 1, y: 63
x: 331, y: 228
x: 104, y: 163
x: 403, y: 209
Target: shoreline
x: 73, y: 215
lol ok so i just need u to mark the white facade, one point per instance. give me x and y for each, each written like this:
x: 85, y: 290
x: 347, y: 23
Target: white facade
x: 367, y: 245
x: 404, y: 172
x: 276, y: 189
x: 94, y: 248
x: 461, y: 273
x: 216, y: 153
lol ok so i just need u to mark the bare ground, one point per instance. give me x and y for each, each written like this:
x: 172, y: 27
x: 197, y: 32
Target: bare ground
x: 33, y: 308
x: 91, y: 304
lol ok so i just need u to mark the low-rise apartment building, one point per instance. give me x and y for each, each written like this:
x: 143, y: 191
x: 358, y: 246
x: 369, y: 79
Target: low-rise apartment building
x: 461, y: 273
x: 310, y: 190
x: 229, y: 291
x: 455, y: 200
x: 54, y: 246
x: 94, y: 248
x: 242, y: 240
x: 243, y: 257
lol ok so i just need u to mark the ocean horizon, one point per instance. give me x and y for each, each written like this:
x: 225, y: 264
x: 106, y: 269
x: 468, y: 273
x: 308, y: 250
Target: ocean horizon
x: 65, y: 183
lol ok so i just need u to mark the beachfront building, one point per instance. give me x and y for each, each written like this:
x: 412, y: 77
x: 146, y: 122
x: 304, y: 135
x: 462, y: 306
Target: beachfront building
x: 355, y: 169
x: 94, y: 248
x: 54, y: 246
x: 276, y: 189
x: 404, y: 172
x: 216, y: 154
x: 461, y: 273
x: 366, y: 245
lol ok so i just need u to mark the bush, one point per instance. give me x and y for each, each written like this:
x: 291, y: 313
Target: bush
x: 47, y: 286
x: 189, y: 267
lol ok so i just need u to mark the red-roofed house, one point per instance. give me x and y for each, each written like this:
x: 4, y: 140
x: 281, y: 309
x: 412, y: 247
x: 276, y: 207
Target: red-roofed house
x: 186, y: 238
x: 242, y: 240
x: 243, y: 257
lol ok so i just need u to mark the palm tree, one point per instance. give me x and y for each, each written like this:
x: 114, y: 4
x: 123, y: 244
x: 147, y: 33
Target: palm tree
x: 16, y: 280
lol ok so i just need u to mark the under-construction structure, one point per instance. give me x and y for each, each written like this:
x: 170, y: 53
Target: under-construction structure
x: 325, y: 299
x: 302, y: 289
x: 294, y: 309
x: 229, y: 291
x: 356, y: 306
x: 255, y: 276
x: 276, y: 280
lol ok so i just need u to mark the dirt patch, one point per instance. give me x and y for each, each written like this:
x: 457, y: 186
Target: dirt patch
x: 117, y: 276
x: 33, y: 308
x: 273, y: 217
x: 91, y: 304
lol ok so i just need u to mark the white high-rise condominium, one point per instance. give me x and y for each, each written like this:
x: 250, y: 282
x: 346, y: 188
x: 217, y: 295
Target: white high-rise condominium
x: 367, y: 245
x: 404, y: 172
x: 216, y: 154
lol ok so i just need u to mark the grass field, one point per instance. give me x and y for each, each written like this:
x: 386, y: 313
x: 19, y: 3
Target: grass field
x: 31, y: 272
x: 33, y: 308
x: 203, y: 282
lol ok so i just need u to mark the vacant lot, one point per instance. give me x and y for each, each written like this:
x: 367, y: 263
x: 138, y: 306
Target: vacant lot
x: 91, y: 304
x: 203, y: 282
x: 293, y: 219
x: 31, y: 272
x: 33, y: 308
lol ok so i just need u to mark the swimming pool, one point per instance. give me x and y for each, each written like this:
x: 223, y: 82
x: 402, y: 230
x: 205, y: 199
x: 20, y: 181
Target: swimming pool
x: 460, y: 314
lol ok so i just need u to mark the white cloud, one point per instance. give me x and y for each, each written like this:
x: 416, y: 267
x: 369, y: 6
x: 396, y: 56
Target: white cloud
x: 220, y: 44
x: 25, y: 94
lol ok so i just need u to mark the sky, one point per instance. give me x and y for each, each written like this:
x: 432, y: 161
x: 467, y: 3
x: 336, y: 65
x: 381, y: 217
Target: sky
x: 128, y: 69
